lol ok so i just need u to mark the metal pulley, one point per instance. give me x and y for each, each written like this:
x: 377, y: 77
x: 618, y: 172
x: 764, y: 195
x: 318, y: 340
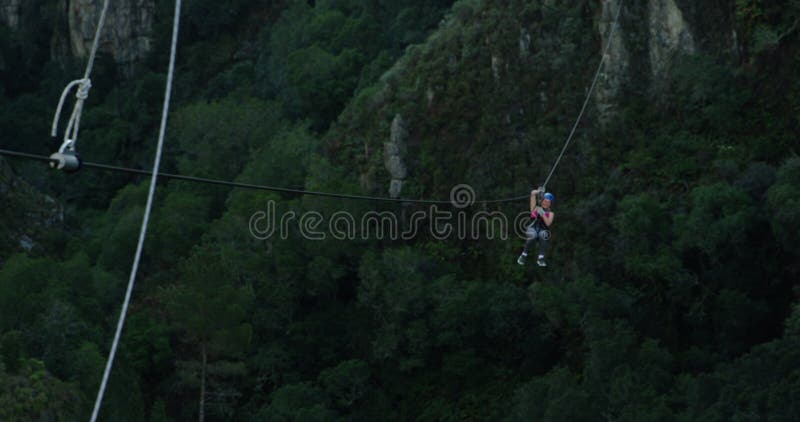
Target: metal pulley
x: 67, y: 161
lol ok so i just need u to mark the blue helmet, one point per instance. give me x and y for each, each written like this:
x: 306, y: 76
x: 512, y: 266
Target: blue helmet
x: 549, y: 196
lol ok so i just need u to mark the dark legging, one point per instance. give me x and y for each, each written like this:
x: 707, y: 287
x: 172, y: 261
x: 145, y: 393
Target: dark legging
x: 534, y: 235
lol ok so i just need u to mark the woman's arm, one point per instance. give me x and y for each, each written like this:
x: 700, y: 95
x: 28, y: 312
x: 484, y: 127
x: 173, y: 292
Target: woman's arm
x: 534, y: 197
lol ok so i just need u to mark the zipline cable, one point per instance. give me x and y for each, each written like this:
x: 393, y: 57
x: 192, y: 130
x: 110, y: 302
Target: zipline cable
x: 148, y: 208
x: 83, y: 82
x: 73, y: 125
x: 254, y: 186
x: 588, y: 95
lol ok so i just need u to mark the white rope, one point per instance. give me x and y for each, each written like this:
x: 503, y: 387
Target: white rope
x: 588, y: 95
x: 54, y: 128
x: 148, y: 208
x: 84, y: 85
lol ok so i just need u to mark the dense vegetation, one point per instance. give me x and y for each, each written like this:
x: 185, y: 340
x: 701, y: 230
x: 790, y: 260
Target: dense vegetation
x: 672, y: 291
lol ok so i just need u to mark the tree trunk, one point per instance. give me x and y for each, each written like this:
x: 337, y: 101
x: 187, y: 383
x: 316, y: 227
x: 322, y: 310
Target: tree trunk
x: 203, y: 384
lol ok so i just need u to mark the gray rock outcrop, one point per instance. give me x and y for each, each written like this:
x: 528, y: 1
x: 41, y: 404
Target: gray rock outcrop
x: 615, y: 65
x: 9, y: 13
x: 669, y: 36
x: 393, y: 152
x: 126, y: 34
x: 649, y: 40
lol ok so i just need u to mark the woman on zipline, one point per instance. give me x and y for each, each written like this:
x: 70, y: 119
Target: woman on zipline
x: 538, y: 229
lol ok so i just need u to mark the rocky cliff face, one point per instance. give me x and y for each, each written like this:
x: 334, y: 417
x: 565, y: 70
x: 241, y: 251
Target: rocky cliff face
x: 393, y: 152
x: 617, y: 61
x: 126, y: 35
x: 651, y: 39
x: 669, y: 36
x: 508, y: 77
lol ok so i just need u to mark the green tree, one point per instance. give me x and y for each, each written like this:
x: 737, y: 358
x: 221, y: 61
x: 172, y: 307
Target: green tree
x: 783, y: 199
x: 301, y: 401
x: 216, y: 138
x: 346, y: 383
x: 32, y: 393
x: 719, y: 219
x: 210, y: 307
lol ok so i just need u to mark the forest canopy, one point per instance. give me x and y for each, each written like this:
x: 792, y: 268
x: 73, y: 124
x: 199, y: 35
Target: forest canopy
x: 671, y: 291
